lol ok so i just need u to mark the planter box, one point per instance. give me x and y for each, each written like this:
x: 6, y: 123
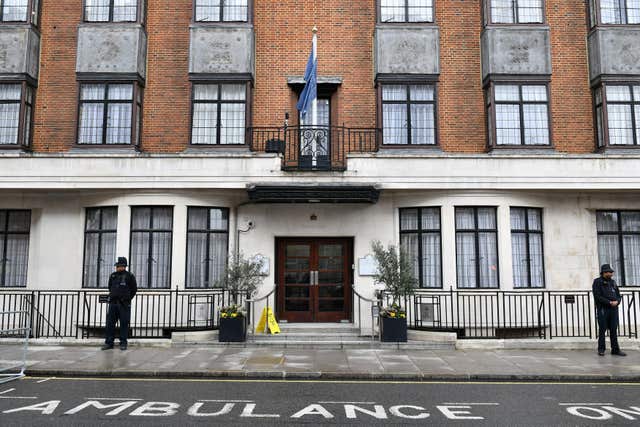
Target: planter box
x: 393, y: 330
x: 232, y: 330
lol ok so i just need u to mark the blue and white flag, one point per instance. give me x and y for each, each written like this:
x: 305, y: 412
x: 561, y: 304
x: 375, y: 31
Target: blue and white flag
x: 310, y: 91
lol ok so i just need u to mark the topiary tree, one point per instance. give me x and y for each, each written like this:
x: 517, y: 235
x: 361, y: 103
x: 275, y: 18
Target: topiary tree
x: 241, y: 275
x: 394, y: 271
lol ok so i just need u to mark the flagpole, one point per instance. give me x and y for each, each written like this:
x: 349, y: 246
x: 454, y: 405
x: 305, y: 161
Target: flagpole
x: 314, y: 103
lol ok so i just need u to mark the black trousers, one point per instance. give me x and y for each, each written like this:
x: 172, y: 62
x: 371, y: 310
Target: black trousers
x: 117, y: 312
x: 608, y: 319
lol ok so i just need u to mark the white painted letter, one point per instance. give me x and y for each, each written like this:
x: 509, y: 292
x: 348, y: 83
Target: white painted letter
x: 193, y: 411
x: 350, y: 411
x: 455, y: 413
x: 578, y: 412
x: 624, y: 412
x: 46, y: 408
x: 313, y: 410
x: 248, y: 412
x: 119, y: 407
x: 156, y: 409
x: 396, y: 410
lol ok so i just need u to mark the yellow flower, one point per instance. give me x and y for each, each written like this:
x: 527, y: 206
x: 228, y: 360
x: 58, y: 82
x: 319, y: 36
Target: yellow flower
x: 234, y: 314
x: 392, y: 314
x: 223, y: 314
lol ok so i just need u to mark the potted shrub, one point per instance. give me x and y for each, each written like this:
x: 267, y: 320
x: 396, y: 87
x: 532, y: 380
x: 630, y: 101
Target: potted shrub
x: 396, y: 274
x: 242, y: 276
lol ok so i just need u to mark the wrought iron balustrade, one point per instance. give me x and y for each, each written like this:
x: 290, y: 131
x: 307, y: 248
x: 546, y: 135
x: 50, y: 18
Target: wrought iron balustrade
x: 314, y: 148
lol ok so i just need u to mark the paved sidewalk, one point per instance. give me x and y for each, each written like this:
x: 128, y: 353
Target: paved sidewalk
x: 201, y: 361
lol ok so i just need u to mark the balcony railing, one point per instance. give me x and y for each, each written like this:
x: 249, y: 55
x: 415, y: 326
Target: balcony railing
x: 314, y: 148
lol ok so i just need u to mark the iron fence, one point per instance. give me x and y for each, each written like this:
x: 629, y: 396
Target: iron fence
x: 82, y: 313
x: 513, y: 314
x: 311, y: 148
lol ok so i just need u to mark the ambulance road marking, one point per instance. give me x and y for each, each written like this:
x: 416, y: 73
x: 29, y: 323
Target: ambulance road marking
x: 226, y: 401
x: 45, y: 380
x: 7, y: 391
x: 349, y: 403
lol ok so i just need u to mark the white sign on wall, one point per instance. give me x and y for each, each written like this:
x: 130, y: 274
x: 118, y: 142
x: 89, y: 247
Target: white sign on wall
x: 265, y: 263
x: 367, y: 266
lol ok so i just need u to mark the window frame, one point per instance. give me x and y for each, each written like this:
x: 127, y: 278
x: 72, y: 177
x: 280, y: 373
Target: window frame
x: 594, y: 15
x: 141, y: 8
x: 247, y: 111
x: 476, y: 231
x: 4, y: 232
x: 137, y: 106
x: 420, y: 232
x: 604, y: 115
x: 427, y: 81
x: 527, y: 232
x: 488, y: 17
x: 406, y: 15
x: 151, y: 231
x: 491, y: 115
x: 33, y: 14
x: 100, y: 232
x: 619, y: 233
x: 209, y: 231
x: 23, y: 120
x: 221, y: 21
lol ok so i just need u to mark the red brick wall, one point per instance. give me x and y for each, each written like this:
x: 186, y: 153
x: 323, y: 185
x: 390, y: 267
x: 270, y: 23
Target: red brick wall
x: 461, y: 101
x: 57, y: 93
x: 571, y: 103
x: 345, y: 48
x: 167, y: 98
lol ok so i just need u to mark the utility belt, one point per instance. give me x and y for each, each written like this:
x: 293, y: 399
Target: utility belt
x: 119, y: 300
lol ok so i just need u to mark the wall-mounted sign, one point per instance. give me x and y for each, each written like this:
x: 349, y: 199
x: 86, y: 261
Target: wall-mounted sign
x: 367, y: 266
x: 265, y: 264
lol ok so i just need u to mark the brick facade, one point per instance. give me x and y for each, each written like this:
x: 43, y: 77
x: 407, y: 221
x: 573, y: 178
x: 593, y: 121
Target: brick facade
x: 345, y: 49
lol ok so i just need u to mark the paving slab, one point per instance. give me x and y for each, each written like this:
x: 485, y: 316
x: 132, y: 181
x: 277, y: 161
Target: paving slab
x: 384, y: 364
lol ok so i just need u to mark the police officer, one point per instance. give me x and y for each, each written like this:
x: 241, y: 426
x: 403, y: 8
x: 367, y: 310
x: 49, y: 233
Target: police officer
x: 607, y: 298
x: 122, y: 289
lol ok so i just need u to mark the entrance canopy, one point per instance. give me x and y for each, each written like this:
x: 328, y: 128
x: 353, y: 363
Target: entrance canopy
x: 313, y: 194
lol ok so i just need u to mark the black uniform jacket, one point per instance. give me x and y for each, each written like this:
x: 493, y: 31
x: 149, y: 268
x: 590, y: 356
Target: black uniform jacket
x: 605, y: 291
x: 122, y: 287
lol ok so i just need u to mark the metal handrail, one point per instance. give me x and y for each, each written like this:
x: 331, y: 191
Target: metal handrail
x: 251, y: 306
x: 373, y: 302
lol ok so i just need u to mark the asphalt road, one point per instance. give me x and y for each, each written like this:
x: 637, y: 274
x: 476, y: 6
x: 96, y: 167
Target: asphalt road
x: 158, y: 402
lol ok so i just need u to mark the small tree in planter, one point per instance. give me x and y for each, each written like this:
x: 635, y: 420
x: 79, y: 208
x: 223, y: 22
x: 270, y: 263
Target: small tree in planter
x: 241, y: 276
x: 396, y: 274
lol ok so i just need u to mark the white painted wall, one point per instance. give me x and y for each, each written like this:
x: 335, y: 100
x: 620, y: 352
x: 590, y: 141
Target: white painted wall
x: 570, y: 239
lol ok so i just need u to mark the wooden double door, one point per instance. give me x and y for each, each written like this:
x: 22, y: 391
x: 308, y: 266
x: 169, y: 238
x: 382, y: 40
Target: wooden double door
x: 314, y: 279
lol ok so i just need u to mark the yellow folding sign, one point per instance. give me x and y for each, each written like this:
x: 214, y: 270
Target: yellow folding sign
x: 267, y: 319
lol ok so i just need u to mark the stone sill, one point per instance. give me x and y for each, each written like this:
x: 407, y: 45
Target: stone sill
x: 515, y: 154
x: 102, y: 154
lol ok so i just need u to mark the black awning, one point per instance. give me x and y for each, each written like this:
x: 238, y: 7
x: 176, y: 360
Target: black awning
x: 313, y: 194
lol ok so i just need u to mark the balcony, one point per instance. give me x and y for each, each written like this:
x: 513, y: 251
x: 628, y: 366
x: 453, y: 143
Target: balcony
x: 309, y: 148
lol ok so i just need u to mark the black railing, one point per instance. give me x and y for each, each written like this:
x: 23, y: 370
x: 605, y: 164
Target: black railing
x: 82, y: 313
x: 314, y: 148
x: 468, y: 313
x: 514, y: 314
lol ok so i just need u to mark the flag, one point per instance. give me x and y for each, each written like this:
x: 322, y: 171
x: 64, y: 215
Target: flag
x: 310, y: 91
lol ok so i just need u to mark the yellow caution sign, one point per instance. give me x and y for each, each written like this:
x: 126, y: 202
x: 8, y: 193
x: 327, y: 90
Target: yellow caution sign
x: 268, y: 320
